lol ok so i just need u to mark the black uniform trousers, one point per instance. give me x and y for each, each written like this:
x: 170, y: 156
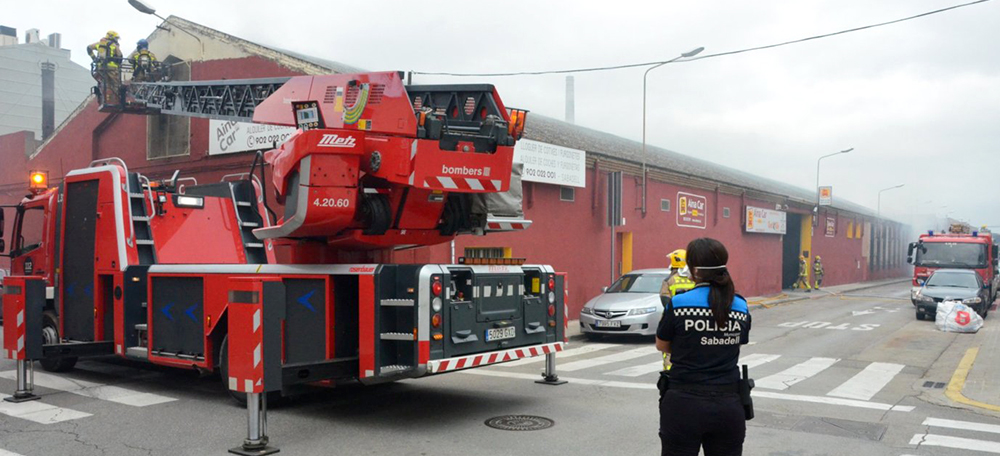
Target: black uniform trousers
x: 693, y: 419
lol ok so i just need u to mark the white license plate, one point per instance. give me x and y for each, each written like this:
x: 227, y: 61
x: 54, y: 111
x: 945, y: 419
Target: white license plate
x: 609, y: 324
x: 509, y: 332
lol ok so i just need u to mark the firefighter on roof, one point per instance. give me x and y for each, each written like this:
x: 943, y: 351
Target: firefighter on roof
x: 107, y: 59
x: 818, y: 271
x: 803, y: 282
x: 143, y: 63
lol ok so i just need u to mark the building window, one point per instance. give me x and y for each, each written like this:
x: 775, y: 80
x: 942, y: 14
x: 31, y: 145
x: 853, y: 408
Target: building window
x: 166, y: 135
x: 567, y: 194
x: 665, y: 205
x: 725, y: 212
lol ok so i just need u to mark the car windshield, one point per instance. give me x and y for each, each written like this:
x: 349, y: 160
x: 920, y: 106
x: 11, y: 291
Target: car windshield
x: 953, y: 279
x: 638, y: 283
x: 951, y: 255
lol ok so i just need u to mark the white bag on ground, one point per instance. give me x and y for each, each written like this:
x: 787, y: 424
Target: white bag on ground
x: 953, y: 316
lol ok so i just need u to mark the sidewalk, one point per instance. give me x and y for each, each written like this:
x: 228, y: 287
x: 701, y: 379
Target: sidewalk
x: 976, y: 382
x: 788, y: 296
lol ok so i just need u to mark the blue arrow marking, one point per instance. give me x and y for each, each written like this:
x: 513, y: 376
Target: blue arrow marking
x: 304, y: 300
x: 166, y: 311
x: 70, y: 288
x: 189, y: 312
x: 89, y: 290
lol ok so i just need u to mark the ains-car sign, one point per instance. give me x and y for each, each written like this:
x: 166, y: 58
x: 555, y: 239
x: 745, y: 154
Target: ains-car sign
x: 551, y: 164
x: 691, y: 210
x: 760, y: 220
x: 227, y: 137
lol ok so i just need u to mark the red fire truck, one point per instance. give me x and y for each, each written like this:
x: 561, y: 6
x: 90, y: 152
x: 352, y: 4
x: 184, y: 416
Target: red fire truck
x: 176, y: 273
x: 955, y: 248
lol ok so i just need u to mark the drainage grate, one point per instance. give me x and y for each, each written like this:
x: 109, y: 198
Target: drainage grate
x: 519, y: 423
x: 937, y: 385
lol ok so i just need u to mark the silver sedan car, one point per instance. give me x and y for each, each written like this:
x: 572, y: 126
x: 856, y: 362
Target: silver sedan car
x: 630, y: 306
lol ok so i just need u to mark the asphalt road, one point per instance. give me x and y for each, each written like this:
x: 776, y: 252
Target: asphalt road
x: 837, y: 375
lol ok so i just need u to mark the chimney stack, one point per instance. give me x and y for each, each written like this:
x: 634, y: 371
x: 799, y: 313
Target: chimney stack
x: 48, y: 99
x: 570, y: 100
x: 31, y: 36
x: 55, y: 40
x: 8, y: 36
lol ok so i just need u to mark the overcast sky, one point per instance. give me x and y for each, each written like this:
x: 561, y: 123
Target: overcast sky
x: 919, y: 101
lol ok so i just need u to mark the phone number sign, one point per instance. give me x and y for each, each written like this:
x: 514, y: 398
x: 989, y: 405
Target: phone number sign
x: 228, y: 137
x: 692, y: 210
x: 551, y: 164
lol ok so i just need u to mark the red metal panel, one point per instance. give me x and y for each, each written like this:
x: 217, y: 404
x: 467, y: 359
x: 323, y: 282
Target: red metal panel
x: 366, y: 326
x: 208, y: 235
x: 14, y: 318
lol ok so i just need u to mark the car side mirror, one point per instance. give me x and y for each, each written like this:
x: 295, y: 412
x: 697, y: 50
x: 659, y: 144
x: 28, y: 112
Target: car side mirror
x: 909, y: 249
x: 604, y: 289
x: 909, y: 259
x: 3, y: 246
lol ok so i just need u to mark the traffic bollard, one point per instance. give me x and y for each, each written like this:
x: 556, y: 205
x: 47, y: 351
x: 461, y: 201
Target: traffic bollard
x: 549, y: 377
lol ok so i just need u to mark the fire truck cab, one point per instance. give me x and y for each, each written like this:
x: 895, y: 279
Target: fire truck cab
x: 955, y: 249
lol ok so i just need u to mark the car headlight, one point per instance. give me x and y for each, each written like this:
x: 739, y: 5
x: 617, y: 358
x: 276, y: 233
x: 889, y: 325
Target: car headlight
x: 923, y: 298
x: 971, y: 301
x: 642, y: 311
x: 587, y: 311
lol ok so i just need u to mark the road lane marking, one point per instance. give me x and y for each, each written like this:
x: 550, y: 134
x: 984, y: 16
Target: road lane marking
x: 948, y: 441
x: 4, y: 452
x: 957, y: 382
x: 38, y: 411
x: 93, y: 390
x: 757, y: 359
x: 963, y: 425
x: 868, y: 382
x: 637, y: 371
x: 652, y: 386
x: 795, y: 374
x: 589, y: 348
x: 607, y: 359
x: 833, y: 401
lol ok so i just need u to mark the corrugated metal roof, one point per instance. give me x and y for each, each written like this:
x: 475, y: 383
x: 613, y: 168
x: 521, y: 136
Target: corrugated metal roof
x: 549, y: 130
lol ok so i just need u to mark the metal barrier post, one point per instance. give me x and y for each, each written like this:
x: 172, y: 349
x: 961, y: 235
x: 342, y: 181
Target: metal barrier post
x: 549, y: 377
x: 23, y: 302
x: 255, y: 354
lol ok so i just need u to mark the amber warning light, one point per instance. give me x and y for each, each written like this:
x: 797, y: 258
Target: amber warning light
x: 38, y: 181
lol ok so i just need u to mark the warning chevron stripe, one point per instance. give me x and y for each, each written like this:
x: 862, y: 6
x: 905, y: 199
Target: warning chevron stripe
x: 464, y: 362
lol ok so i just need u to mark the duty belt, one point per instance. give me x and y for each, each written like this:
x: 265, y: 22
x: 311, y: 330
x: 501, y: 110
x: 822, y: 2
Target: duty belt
x: 706, y: 388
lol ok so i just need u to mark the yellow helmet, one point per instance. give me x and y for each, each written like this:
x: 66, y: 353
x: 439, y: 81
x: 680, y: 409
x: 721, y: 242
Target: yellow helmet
x: 678, y: 258
x: 112, y: 35
x: 802, y: 258
x: 818, y: 258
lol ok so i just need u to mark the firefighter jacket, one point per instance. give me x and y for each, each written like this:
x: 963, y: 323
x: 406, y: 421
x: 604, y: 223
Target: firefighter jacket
x: 106, y: 52
x: 143, y: 59
x: 818, y: 268
x: 803, y: 268
x: 677, y: 284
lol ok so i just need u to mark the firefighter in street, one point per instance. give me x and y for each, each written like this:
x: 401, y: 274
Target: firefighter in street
x: 818, y: 271
x: 676, y: 283
x: 679, y: 279
x: 143, y: 63
x: 107, y: 59
x: 803, y: 282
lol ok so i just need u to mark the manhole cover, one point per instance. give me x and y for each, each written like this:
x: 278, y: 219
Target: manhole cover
x: 519, y: 423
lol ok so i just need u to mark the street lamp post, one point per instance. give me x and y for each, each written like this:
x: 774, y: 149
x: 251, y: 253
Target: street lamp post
x: 880, y: 197
x: 816, y: 209
x: 685, y: 55
x: 144, y: 7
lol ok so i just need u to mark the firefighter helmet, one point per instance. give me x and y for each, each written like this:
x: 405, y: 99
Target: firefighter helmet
x: 818, y: 258
x: 678, y: 259
x: 142, y: 44
x: 112, y: 35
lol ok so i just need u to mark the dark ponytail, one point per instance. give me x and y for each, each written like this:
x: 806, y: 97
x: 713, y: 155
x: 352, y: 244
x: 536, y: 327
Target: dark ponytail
x: 707, y: 260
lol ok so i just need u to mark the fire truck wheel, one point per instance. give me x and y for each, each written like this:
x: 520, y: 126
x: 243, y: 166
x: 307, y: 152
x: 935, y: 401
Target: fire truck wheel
x: 50, y: 335
x: 273, y: 398
x: 376, y: 213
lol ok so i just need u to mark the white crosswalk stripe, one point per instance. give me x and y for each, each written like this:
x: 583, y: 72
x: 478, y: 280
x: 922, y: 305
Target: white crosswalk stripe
x: 38, y: 411
x: 4, y: 452
x: 868, y: 382
x: 607, y: 359
x: 961, y: 443
x: 795, y: 374
x: 640, y: 370
x: 757, y: 359
x: 93, y: 390
x: 589, y: 348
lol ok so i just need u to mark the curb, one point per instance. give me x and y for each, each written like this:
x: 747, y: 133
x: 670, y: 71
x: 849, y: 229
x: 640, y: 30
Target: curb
x: 957, y: 383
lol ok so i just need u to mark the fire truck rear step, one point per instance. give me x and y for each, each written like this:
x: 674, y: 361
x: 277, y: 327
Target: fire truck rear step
x: 137, y: 352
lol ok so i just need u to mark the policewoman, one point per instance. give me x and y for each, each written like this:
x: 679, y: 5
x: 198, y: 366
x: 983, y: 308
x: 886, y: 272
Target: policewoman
x: 701, y: 405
